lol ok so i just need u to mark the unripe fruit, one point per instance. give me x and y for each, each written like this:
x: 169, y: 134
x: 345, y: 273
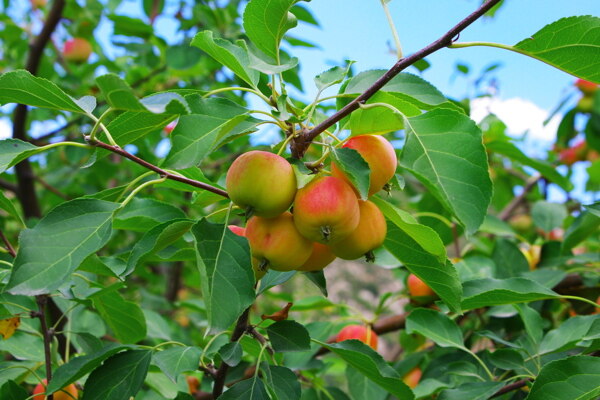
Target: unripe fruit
x: 67, y: 393
x: 418, y: 288
x: 276, y: 243
x: 320, y: 257
x: 413, y: 377
x: 378, y: 153
x: 326, y: 210
x: 585, y: 104
x: 368, y: 235
x: 586, y: 87
x: 259, y: 270
x: 261, y: 183
x: 359, y: 332
x: 521, y: 222
x: 38, y: 3
x: 77, y: 50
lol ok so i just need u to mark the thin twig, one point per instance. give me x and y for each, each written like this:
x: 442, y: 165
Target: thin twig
x: 261, y: 339
x: 42, y: 300
x: 512, y: 206
x: 509, y: 388
x: 9, y: 247
x: 301, y: 143
x: 51, y: 188
x: 6, y: 185
x: 118, y: 150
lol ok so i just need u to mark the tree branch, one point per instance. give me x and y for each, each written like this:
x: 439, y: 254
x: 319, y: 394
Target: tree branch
x: 240, y: 328
x: 42, y: 300
x: 300, y: 144
x: 6, y: 185
x: 512, y: 206
x: 24, y: 172
x: 118, y: 150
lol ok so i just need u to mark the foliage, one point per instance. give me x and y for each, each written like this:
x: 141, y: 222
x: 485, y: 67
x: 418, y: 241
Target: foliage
x: 122, y: 276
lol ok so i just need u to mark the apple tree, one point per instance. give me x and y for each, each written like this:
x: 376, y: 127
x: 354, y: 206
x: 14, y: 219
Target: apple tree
x: 155, y: 246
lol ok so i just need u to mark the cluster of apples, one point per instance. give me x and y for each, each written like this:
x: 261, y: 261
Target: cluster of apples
x: 327, y: 220
x: 588, y: 90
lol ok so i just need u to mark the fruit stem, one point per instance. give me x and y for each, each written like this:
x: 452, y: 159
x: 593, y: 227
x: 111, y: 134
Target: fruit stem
x: 370, y: 256
x: 264, y: 265
x: 326, y: 233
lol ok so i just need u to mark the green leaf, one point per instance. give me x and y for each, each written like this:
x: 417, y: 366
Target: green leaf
x: 570, y: 44
x: 118, y: 94
x: 282, y: 381
x: 566, y: 379
x: 119, y: 378
x: 492, y: 292
x: 288, y: 336
x: 585, y: 224
x: 143, y: 214
x: 567, y: 334
x: 231, y: 353
x: 11, y: 391
x: 361, y: 387
x: 532, y: 320
x: 266, y: 21
x: 13, y: 151
x: 548, y: 216
x: 318, y: 279
x: 80, y: 366
x: 332, y: 76
x: 444, y: 150
x: 509, y: 260
x: 379, y: 120
x: 548, y: 171
x: 133, y: 125
x: 370, y: 363
x: 125, y: 318
x: 405, y: 86
x: 22, y: 87
x: 178, y: 359
x: 471, y: 391
x: 355, y: 168
x: 196, y: 136
x: 128, y: 26
x: 51, y: 251
x: 227, y: 278
x: 157, y: 239
x: 234, y: 57
x: 426, y: 237
x: 248, y: 389
x: 182, y: 57
x: 8, y: 206
x: 507, y: 359
x: 435, y: 326
x: 421, y: 250
x: 274, y: 278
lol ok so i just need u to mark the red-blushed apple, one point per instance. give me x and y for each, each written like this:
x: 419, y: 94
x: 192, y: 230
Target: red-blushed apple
x: 67, y: 393
x: 368, y: 235
x: 259, y: 271
x: 359, y: 332
x: 193, y: 384
x: 378, y: 153
x: 261, y: 183
x: 586, y: 87
x: 77, y: 50
x: 418, y: 288
x: 320, y: 257
x: 413, y: 377
x: 238, y: 230
x: 326, y: 210
x: 276, y: 243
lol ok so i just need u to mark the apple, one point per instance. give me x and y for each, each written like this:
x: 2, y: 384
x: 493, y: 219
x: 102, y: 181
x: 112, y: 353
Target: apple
x: 359, y: 332
x: 418, y: 288
x: 586, y: 87
x: 261, y: 183
x: 378, y: 153
x: 521, y: 222
x: 77, y: 50
x: 413, y: 377
x: 368, y: 235
x: 238, y: 230
x: 276, y: 243
x: 67, y: 393
x: 38, y: 3
x: 320, y: 257
x: 326, y: 210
